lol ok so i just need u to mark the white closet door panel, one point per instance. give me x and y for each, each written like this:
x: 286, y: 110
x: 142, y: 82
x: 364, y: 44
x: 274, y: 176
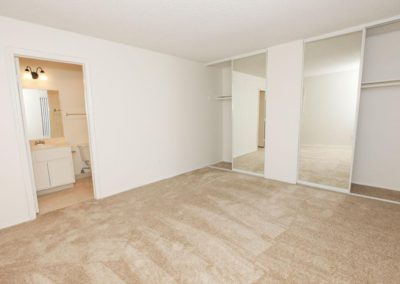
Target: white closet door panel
x: 284, y: 90
x: 61, y: 172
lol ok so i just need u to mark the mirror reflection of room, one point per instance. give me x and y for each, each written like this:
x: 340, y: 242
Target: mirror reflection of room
x: 331, y: 86
x: 248, y: 98
x: 53, y: 107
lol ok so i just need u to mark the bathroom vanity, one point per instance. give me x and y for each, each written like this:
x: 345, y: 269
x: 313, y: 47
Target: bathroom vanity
x: 52, y: 166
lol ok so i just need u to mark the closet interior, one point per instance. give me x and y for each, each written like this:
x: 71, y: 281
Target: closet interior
x: 224, y: 105
x: 377, y: 153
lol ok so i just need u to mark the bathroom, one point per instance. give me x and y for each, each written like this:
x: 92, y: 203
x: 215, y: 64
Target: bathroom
x: 53, y: 108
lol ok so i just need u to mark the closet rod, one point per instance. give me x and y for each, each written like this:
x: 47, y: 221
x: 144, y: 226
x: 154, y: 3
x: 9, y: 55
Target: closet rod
x: 223, y: 98
x: 68, y: 114
x: 380, y: 84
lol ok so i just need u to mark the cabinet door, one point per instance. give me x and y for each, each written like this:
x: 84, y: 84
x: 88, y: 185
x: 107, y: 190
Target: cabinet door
x: 41, y: 176
x: 61, y: 172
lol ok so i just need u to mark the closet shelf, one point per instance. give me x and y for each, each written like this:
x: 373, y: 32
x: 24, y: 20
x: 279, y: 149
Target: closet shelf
x: 223, y: 98
x: 379, y: 84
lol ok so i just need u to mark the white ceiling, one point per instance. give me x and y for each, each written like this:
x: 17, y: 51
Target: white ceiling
x: 202, y: 30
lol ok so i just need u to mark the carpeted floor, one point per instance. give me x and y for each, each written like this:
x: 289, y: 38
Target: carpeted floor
x: 252, y: 162
x: 209, y: 226
x: 326, y: 165
x: 222, y: 165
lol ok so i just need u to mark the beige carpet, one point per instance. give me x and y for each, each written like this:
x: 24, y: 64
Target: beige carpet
x: 252, y: 162
x: 209, y: 226
x: 222, y: 165
x: 325, y: 164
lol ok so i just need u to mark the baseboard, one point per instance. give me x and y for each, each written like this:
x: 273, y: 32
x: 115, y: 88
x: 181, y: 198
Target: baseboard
x: 157, y: 180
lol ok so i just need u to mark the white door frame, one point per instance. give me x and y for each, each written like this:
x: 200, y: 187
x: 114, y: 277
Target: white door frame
x: 23, y: 144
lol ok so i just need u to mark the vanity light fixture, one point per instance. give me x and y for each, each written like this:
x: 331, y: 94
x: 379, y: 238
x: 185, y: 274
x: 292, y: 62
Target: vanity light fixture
x: 38, y: 74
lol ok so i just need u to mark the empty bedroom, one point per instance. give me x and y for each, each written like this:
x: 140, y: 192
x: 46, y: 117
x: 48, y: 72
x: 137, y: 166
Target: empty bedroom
x: 200, y: 141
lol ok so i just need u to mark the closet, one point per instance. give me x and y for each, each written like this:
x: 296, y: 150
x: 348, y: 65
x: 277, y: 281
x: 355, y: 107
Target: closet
x: 224, y: 105
x: 332, y: 120
x: 376, y: 169
x: 241, y: 102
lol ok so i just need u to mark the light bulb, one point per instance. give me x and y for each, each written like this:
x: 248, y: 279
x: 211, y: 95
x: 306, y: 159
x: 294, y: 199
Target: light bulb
x: 27, y: 75
x: 43, y: 77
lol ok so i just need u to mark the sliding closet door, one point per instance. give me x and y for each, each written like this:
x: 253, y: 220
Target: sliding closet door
x: 248, y: 88
x: 331, y: 88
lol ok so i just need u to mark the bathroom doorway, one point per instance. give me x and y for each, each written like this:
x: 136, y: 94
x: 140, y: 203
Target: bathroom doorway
x: 53, y: 107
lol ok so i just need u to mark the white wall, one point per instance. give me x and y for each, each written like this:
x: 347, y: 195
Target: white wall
x: 284, y: 91
x: 152, y: 114
x: 245, y: 98
x: 67, y: 79
x: 377, y: 155
x: 329, y: 107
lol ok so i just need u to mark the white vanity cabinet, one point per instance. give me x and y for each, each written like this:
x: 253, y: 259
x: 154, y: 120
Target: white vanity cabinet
x: 53, y: 167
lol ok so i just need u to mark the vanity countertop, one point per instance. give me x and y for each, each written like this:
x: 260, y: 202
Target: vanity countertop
x: 39, y: 147
x: 49, y: 144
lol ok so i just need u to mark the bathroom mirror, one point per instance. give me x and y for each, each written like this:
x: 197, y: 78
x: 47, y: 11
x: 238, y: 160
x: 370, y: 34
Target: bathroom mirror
x: 43, y: 114
x: 248, y: 103
x: 331, y: 87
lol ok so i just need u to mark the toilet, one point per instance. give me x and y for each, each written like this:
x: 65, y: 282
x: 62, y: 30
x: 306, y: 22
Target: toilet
x: 85, y: 156
x: 81, y: 158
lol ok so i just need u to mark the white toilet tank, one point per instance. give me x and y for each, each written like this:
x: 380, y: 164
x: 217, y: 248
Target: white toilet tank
x: 85, y: 152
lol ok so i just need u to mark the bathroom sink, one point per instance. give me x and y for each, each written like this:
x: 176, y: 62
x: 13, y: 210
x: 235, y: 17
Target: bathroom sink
x: 48, y: 146
x: 42, y: 146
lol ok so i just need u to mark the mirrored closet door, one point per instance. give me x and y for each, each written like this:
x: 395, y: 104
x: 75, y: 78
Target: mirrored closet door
x: 248, y: 117
x: 327, y: 132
